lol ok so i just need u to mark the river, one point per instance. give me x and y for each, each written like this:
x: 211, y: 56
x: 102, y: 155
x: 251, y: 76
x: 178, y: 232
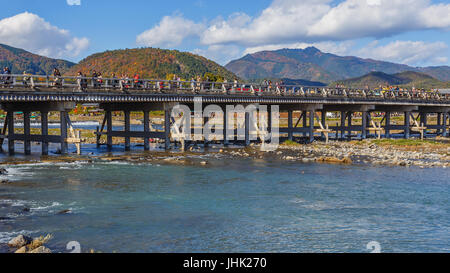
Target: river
x: 229, y: 205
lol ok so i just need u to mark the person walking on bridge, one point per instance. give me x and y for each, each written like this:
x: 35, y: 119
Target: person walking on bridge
x: 56, y: 77
x: 27, y: 80
x: 6, y: 79
x: 80, y: 81
x: 94, y: 78
x: 114, y: 81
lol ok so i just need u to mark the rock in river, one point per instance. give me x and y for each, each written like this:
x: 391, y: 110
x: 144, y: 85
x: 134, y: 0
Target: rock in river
x: 20, y: 241
x: 41, y: 249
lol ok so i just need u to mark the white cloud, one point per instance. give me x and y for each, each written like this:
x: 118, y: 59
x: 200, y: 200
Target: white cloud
x: 31, y: 32
x: 330, y: 26
x: 317, y: 20
x: 171, y: 31
x: 74, y: 2
x: 407, y: 52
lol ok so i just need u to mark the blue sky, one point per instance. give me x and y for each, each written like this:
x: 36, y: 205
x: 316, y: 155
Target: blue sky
x: 405, y: 31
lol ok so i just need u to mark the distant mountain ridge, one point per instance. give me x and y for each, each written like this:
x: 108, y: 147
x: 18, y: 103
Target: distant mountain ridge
x: 314, y: 65
x: 19, y: 60
x: 404, y: 79
x: 150, y: 63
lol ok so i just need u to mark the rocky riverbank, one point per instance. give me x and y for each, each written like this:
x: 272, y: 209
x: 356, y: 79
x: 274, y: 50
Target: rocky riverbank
x: 25, y: 244
x: 406, y: 153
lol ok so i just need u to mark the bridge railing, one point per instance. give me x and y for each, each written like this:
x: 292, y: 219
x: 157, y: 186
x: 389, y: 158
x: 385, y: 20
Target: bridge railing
x: 17, y: 82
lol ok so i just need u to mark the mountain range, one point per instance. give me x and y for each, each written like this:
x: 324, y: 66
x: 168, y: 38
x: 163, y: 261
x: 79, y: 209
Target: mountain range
x: 147, y: 62
x: 314, y: 65
x: 307, y: 66
x: 19, y: 60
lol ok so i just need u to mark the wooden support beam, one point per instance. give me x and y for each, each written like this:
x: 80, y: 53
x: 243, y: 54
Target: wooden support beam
x: 298, y: 120
x: 446, y: 132
x: 438, y: 122
x: 323, y: 118
x: 311, y: 126
x: 63, y: 124
x: 349, y: 117
x: 44, y: 132
x: 348, y: 108
x: 109, y: 140
x: 304, y: 122
x: 127, y: 130
x: 205, y: 141
x: 343, y: 117
x: 26, y: 131
x: 33, y: 138
x: 167, y: 129
x: 290, y: 134
x: 5, y: 127
x: 75, y: 136
x: 135, y: 134
x: 375, y: 128
x: 146, y: 130
x: 225, y: 126
x: 101, y: 130
x: 418, y: 127
x: 247, y: 128
x: 10, y: 120
x: 407, y: 125
x: 364, y: 125
x: 387, y: 127
x: 324, y: 129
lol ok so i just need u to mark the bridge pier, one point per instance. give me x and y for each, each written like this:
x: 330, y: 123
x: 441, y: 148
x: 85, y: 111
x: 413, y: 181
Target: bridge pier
x: 127, y: 130
x: 311, y: 126
x: 167, y: 113
x: 225, y: 126
x: 10, y: 120
x: 323, y: 120
x: 109, y: 139
x: 407, y: 116
x: 44, y: 132
x: 205, y: 141
x: 349, y: 132
x: 387, y: 127
x: 63, y: 123
x: 442, y: 115
x: 364, y: 125
x: 307, y: 116
x: 446, y: 131
x: 44, y: 108
x: 346, y: 116
x: 343, y: 118
x: 126, y: 133
x: 26, y: 131
x: 423, y: 116
x: 146, y: 130
x: 290, y: 133
x: 247, y: 128
x: 406, y: 110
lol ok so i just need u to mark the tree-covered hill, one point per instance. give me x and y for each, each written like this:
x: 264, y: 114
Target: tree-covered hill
x: 19, y: 60
x: 404, y: 79
x: 150, y: 63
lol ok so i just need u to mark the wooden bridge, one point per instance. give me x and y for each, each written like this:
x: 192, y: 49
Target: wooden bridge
x: 308, y: 104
